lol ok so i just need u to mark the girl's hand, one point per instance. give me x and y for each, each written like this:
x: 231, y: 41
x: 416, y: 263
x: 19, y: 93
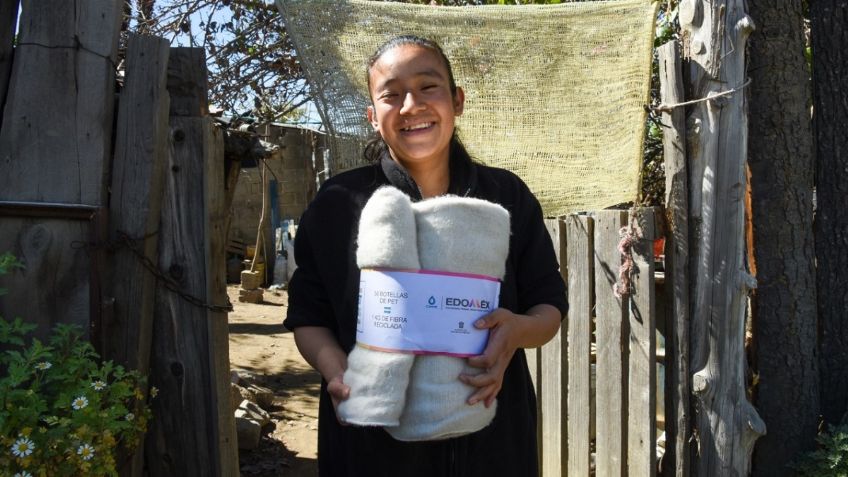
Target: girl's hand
x: 338, y: 390
x: 504, y: 327
x: 508, y: 331
x: 320, y: 348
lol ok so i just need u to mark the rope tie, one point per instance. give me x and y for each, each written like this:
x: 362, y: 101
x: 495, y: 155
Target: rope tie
x: 667, y: 108
x: 624, y: 285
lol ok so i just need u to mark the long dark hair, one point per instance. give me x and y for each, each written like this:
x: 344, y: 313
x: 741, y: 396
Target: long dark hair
x: 376, y: 148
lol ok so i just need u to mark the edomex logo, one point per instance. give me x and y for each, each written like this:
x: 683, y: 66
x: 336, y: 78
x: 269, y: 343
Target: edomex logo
x: 473, y: 304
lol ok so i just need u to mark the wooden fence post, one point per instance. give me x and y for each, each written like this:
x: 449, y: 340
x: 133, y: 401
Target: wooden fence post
x: 612, y: 350
x: 554, y: 378
x: 136, y: 196
x: 727, y: 425
x: 642, y: 369
x: 140, y: 154
x: 580, y: 260
x: 533, y: 356
x: 677, y: 428
x: 193, y: 432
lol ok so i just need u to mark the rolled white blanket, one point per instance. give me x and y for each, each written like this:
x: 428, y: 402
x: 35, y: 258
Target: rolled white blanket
x: 461, y: 235
x: 378, y: 380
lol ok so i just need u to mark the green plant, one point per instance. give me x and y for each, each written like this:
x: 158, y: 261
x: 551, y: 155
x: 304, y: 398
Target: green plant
x: 7, y: 263
x: 831, y: 458
x: 63, y: 413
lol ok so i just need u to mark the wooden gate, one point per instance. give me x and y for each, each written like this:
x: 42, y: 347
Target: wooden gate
x: 597, y: 379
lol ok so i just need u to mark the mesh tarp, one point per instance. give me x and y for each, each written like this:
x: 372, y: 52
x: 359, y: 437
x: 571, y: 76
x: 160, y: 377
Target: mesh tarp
x: 554, y: 93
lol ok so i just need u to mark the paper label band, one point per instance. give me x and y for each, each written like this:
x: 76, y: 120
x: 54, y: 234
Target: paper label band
x: 424, y: 312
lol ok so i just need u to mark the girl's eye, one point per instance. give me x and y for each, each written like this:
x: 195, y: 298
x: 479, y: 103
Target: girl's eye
x: 427, y: 87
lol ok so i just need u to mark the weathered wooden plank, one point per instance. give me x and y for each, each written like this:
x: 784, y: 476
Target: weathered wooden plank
x: 55, y: 144
x: 677, y: 427
x: 533, y: 365
x: 8, y: 20
x: 57, y: 128
x: 611, y: 333
x: 141, y: 147
x: 216, y: 283
x: 642, y: 377
x: 533, y: 356
x: 554, y: 370
x: 580, y: 266
x: 53, y: 287
x: 187, y: 82
x: 192, y: 435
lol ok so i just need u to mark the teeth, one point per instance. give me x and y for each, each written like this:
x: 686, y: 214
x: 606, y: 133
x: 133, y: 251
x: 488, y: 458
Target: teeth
x: 418, y: 126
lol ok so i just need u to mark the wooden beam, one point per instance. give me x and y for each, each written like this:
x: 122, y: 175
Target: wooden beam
x: 141, y: 144
x: 194, y: 429
x: 727, y: 425
x: 677, y: 427
x: 141, y: 147
x: 188, y: 82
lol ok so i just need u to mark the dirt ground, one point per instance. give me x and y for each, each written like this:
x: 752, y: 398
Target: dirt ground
x: 260, y: 345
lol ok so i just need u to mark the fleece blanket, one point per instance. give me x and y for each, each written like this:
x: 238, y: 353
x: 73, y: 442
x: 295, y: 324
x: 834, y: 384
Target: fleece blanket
x: 378, y: 380
x: 464, y: 235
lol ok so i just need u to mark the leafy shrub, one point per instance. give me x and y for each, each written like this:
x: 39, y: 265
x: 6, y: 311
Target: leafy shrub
x: 7, y: 263
x: 831, y: 458
x: 62, y: 413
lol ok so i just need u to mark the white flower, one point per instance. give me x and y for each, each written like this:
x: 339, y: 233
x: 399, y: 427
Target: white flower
x: 98, y: 385
x: 153, y: 391
x: 22, y: 473
x: 130, y: 416
x: 79, y: 403
x: 43, y: 366
x: 86, y: 452
x: 23, y: 447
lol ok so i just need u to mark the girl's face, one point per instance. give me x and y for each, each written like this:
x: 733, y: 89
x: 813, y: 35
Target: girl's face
x: 413, y: 109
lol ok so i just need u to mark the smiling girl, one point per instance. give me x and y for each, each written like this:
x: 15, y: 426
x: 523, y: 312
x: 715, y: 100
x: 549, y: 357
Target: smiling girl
x: 415, y: 102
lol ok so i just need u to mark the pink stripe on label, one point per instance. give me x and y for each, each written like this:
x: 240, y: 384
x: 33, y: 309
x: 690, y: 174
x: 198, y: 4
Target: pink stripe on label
x: 418, y: 353
x: 437, y: 272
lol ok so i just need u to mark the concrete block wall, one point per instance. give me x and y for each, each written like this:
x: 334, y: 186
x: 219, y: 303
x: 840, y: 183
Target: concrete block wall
x: 291, y: 166
x: 247, y: 206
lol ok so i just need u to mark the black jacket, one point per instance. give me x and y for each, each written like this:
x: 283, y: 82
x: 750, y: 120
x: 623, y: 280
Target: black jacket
x: 323, y: 292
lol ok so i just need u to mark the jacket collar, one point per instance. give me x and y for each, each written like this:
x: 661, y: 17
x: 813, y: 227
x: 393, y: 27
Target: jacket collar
x: 463, y: 177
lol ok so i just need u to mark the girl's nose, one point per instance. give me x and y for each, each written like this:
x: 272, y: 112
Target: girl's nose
x: 410, y: 104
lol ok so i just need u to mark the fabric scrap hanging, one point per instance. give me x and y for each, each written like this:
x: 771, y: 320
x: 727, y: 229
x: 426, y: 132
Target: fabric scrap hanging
x: 554, y: 93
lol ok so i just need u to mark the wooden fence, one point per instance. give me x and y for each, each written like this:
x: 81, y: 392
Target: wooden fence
x: 596, y: 381
x: 95, y: 194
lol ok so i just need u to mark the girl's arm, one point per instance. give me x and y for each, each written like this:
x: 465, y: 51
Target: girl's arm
x: 508, y: 331
x: 322, y: 351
